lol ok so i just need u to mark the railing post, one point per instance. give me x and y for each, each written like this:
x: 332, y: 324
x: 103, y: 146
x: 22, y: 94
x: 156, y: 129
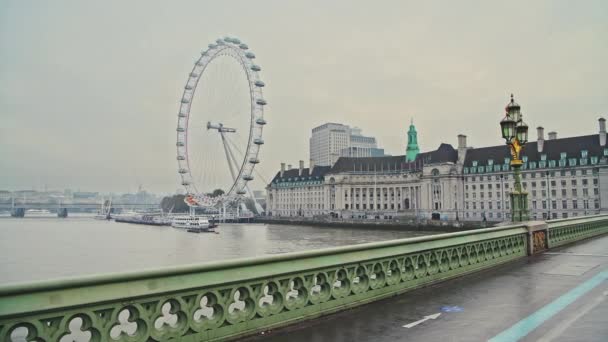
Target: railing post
x: 537, y: 236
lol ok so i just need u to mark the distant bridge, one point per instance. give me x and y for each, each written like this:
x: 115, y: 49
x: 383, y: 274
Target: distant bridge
x: 18, y: 209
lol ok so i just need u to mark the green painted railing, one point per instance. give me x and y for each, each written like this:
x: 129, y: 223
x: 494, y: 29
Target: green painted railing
x: 566, y: 231
x: 224, y: 300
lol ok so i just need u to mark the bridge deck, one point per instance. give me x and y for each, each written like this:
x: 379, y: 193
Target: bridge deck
x: 557, y: 296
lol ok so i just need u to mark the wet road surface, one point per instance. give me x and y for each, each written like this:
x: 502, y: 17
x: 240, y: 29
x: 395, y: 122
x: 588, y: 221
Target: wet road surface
x: 556, y: 296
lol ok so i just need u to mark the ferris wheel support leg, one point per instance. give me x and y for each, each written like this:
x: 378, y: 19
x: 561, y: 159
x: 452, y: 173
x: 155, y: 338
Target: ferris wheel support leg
x: 257, y: 205
x: 227, y: 151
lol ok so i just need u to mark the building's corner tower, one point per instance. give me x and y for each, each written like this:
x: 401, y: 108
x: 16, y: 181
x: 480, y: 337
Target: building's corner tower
x: 412, y: 143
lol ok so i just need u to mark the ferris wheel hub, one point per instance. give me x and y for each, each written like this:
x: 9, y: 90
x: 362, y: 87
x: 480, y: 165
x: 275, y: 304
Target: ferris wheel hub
x: 220, y: 127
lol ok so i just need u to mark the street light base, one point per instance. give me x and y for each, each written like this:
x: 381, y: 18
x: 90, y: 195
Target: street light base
x: 519, y: 206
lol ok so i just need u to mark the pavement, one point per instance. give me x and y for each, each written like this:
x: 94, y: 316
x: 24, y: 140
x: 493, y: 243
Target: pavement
x: 561, y: 295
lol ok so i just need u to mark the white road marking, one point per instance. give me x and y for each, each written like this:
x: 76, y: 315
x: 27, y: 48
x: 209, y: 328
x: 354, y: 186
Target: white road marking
x: 426, y: 318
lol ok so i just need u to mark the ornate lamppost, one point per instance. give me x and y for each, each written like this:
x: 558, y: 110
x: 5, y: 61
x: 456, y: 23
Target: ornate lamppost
x: 515, y: 133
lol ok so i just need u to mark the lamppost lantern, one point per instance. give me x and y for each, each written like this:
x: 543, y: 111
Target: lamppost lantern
x: 507, y: 127
x: 515, y: 132
x: 522, y: 133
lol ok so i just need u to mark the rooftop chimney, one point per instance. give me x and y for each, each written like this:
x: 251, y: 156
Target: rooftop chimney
x: 282, y: 169
x: 462, y: 148
x: 301, y: 168
x: 288, y: 166
x: 602, y: 122
x: 462, y: 141
x: 541, y: 138
x: 311, y: 167
x: 552, y: 135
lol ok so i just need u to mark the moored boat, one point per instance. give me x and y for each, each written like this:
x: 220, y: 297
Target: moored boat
x: 193, y: 223
x: 151, y: 220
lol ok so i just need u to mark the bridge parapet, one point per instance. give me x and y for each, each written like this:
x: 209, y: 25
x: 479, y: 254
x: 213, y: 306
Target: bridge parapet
x: 223, y: 300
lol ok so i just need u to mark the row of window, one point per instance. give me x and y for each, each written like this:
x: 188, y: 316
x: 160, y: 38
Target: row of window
x: 524, y: 175
x: 535, y: 205
x: 533, y: 184
x: 535, y: 193
x: 508, y: 216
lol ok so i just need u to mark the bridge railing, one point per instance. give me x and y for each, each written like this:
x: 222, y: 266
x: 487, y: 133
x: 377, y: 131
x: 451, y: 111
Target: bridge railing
x: 223, y: 300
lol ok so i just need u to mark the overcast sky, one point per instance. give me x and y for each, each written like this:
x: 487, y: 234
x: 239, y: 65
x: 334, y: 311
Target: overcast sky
x: 89, y: 90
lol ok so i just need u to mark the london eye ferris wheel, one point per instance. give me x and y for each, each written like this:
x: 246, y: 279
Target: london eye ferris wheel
x: 220, y: 124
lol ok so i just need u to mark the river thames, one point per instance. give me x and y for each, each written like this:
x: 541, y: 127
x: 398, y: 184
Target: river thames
x: 42, y: 248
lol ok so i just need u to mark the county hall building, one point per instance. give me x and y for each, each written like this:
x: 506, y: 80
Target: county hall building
x: 564, y: 177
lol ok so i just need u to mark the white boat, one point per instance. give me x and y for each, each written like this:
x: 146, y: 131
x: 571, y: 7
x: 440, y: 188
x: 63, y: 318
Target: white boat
x: 192, y: 223
x: 38, y: 212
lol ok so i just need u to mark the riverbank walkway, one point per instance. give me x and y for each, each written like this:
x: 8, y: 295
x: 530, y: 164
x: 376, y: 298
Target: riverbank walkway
x: 560, y: 295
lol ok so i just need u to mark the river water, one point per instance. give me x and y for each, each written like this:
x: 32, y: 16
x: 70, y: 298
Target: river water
x: 41, y: 248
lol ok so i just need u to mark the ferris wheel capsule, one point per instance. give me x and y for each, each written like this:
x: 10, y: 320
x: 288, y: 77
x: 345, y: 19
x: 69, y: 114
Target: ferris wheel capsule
x: 261, y: 102
x: 259, y: 84
x: 250, y: 55
x: 255, y: 67
x: 244, y: 46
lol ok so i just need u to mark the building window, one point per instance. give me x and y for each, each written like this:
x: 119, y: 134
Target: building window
x: 564, y: 193
x: 574, y: 193
x: 574, y: 204
x: 564, y: 204
x: 596, y: 203
x: 554, y: 204
x: 533, y: 204
x: 585, y: 182
x: 544, y: 204
x: 574, y: 182
x: 564, y: 215
x: 534, y: 184
x: 585, y: 192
